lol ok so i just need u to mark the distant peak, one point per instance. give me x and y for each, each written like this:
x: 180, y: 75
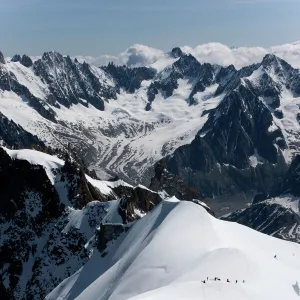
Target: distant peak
x: 26, y: 61
x: 269, y: 57
x: 16, y: 58
x: 2, y: 60
x: 177, y: 52
x: 273, y: 60
x: 51, y: 54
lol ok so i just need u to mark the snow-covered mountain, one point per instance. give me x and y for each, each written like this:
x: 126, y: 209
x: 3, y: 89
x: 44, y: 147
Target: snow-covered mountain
x: 170, y: 253
x: 219, y: 129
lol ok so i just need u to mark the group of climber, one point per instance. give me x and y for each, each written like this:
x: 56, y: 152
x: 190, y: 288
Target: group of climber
x: 218, y: 279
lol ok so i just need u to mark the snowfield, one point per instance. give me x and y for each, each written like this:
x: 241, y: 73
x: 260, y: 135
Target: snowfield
x: 169, y: 252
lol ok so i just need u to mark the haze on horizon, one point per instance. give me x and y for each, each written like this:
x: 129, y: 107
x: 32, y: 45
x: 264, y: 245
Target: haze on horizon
x: 98, y: 27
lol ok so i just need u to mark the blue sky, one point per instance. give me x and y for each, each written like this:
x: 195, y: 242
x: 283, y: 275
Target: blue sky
x: 94, y: 27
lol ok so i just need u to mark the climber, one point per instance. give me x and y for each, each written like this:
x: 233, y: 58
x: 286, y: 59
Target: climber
x: 236, y: 281
x: 203, y: 281
x: 275, y: 256
x: 228, y: 280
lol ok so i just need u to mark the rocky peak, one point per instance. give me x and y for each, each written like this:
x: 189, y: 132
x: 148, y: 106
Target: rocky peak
x: 250, y: 120
x: 127, y: 78
x: 16, y: 58
x: 71, y: 82
x: 52, y: 57
x: 276, y: 65
x: 270, y: 60
x: 176, y: 52
x: 2, y: 59
x: 26, y: 61
x: 224, y: 74
x: 187, y: 65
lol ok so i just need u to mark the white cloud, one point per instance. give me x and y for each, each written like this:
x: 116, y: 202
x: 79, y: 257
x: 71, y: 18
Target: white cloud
x: 136, y: 55
x: 215, y: 53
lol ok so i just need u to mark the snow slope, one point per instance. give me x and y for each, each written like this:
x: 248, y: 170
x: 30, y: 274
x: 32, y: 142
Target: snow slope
x: 167, y: 254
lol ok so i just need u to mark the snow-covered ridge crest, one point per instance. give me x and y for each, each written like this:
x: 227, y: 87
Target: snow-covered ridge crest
x: 170, y: 253
x: 214, y: 53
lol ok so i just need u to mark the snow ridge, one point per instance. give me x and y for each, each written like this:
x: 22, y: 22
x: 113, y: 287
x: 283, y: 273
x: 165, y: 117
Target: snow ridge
x: 168, y: 253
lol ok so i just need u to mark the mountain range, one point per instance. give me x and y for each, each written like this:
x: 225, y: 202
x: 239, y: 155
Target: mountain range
x: 104, y: 166
x: 225, y: 132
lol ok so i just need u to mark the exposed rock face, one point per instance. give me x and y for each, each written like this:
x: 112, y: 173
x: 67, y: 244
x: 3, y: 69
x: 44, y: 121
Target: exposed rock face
x: 16, y: 58
x: 49, y: 227
x: 186, y: 67
x: 136, y: 203
x: 176, y: 52
x: 29, y: 203
x: 14, y: 135
x: 71, y: 82
x: 172, y: 184
x: 40, y: 245
x: 26, y: 61
x: 277, y: 213
x: 2, y: 60
x: 271, y: 218
x: 291, y: 182
x: 129, y: 79
x: 108, y: 233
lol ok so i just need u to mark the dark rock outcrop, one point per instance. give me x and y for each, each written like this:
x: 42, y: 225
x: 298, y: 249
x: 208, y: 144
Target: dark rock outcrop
x: 16, y: 58
x: 2, y: 59
x: 172, y: 184
x: 109, y: 233
x: 270, y: 218
x: 26, y: 61
x: 71, y: 82
x: 276, y: 213
x: 29, y: 203
x: 136, y: 203
x: 129, y: 79
x: 176, y: 52
x: 291, y: 182
x: 13, y: 135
